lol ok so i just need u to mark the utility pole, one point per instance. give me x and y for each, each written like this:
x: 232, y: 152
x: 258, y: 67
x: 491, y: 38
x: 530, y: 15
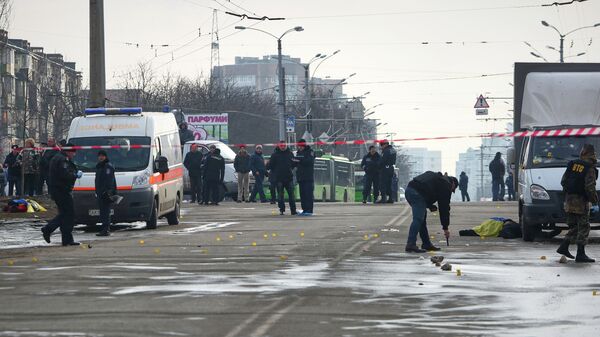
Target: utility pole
x: 481, y: 172
x: 307, y: 95
x: 281, y: 103
x: 97, y: 58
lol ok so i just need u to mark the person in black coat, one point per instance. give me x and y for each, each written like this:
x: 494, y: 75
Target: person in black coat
x: 106, y: 187
x: 370, y: 164
x: 214, y: 174
x: 498, y: 170
x: 305, y: 175
x: 259, y: 170
x: 193, y: 163
x: 45, y: 161
x: 63, y: 174
x: 422, y: 193
x: 281, y: 164
x: 463, y: 185
x: 13, y: 167
x: 386, y: 167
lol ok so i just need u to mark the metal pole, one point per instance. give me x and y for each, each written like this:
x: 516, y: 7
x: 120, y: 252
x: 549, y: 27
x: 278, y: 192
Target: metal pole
x: 97, y: 63
x: 280, y: 104
x: 562, y: 42
x: 308, y: 95
x: 481, y: 174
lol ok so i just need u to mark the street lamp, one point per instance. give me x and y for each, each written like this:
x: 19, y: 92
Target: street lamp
x: 562, y: 37
x: 281, y: 100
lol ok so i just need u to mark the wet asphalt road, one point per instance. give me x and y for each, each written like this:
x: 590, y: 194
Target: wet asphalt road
x: 238, y: 270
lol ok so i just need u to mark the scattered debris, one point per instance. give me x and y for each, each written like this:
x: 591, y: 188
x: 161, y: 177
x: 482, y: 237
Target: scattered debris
x: 458, y: 272
x: 447, y: 267
x: 437, y: 259
x: 438, y: 264
x: 563, y: 259
x: 420, y: 283
x: 543, y: 257
x: 387, y: 243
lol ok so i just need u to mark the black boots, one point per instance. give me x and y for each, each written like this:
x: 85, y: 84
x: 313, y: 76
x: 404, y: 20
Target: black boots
x: 430, y: 247
x: 414, y: 249
x: 581, y: 257
x: 563, y: 249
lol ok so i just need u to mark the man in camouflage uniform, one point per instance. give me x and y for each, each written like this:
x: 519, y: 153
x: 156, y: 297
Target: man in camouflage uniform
x: 579, y: 185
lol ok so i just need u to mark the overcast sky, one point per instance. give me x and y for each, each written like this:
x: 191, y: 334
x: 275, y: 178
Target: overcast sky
x: 382, y: 41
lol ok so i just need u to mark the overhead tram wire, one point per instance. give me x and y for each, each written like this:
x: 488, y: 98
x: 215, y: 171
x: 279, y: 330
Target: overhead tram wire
x: 420, y: 80
x: 433, y: 11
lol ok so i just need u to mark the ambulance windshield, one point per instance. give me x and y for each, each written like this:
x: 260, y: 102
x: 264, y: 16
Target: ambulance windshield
x: 124, y: 158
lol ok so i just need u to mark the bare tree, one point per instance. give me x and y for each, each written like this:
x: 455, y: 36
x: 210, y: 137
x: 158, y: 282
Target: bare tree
x: 5, y: 11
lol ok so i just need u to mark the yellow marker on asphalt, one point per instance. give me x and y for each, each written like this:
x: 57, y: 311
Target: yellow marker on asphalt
x: 34, y: 259
x: 218, y: 238
x: 375, y: 235
x: 142, y: 242
x: 273, y: 213
x: 432, y: 237
x: 157, y: 251
x: 204, y: 251
x: 11, y: 262
x: 366, y: 237
x: 302, y: 234
x: 458, y: 272
x: 230, y: 237
x: 254, y: 244
x: 274, y: 234
x: 283, y: 257
x: 595, y: 293
x: 266, y: 236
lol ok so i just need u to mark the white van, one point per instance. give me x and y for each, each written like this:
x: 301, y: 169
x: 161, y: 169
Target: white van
x: 147, y: 158
x: 550, y: 97
x: 229, y: 187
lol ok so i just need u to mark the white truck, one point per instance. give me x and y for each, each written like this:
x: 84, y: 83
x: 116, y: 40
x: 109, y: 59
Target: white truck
x: 548, y: 97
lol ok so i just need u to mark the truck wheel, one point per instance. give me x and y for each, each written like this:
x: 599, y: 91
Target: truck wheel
x: 173, y: 217
x: 153, y: 219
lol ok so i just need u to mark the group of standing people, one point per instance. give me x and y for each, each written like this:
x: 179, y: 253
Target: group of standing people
x: 206, y: 172
x: 500, y: 185
x: 379, y: 173
x: 28, y: 168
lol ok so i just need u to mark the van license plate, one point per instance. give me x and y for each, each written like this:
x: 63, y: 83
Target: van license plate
x: 96, y: 212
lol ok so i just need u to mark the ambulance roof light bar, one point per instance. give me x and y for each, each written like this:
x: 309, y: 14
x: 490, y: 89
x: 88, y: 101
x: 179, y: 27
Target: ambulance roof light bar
x: 112, y: 111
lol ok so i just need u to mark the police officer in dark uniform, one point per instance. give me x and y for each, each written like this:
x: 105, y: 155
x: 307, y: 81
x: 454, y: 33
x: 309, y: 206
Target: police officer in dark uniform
x: 386, y: 166
x: 370, y: 164
x: 305, y: 175
x: 214, y: 174
x: 579, y: 185
x: 106, y: 187
x: 63, y: 174
x: 422, y: 193
x: 193, y: 163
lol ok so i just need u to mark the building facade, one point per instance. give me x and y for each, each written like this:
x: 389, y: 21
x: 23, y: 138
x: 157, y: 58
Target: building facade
x: 421, y: 159
x: 40, y: 93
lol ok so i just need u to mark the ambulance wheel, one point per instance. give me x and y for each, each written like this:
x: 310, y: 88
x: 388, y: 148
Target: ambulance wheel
x: 153, y: 219
x: 173, y: 217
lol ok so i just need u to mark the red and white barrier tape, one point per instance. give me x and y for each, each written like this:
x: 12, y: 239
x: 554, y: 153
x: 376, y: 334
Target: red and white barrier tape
x: 589, y: 131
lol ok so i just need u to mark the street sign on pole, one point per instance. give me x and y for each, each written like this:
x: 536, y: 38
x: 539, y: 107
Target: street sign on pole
x: 481, y: 103
x: 481, y: 112
x: 290, y: 124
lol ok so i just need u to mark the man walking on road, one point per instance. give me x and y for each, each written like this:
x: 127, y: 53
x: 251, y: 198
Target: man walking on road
x: 305, y: 175
x: 214, y: 173
x: 106, y: 187
x: 422, y: 193
x: 63, y: 174
x: 241, y: 164
x: 498, y: 170
x: 258, y: 168
x: 463, y: 185
x: 386, y: 166
x: 370, y: 164
x: 193, y: 164
x: 281, y: 165
x: 579, y: 185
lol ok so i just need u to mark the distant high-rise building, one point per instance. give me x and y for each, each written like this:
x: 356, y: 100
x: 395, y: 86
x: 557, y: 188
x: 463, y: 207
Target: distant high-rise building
x: 422, y: 159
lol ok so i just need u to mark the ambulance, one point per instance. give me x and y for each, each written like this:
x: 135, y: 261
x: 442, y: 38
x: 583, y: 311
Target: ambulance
x: 145, y: 150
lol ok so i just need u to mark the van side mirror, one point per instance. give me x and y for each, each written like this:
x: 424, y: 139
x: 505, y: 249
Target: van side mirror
x: 161, y: 165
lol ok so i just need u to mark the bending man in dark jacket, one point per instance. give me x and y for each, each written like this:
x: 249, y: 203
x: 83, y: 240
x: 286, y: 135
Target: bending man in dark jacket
x: 258, y: 168
x: 281, y: 165
x: 422, y: 193
x: 214, y: 173
x: 386, y: 166
x: 193, y: 163
x: 305, y: 174
x: 106, y: 186
x: 370, y: 164
x: 63, y: 174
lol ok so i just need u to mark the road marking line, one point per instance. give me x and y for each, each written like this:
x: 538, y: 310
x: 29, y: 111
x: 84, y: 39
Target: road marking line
x: 273, y: 319
x: 253, y: 318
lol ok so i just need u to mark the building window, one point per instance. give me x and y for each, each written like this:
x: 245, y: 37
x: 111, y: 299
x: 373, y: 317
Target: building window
x: 244, y: 81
